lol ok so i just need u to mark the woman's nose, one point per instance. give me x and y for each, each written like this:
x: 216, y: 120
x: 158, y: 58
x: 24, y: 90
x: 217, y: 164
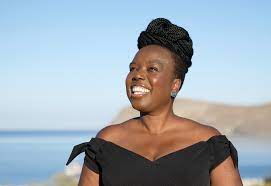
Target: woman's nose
x: 138, y: 75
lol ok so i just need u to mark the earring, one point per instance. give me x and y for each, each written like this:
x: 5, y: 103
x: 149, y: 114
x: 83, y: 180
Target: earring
x: 173, y: 94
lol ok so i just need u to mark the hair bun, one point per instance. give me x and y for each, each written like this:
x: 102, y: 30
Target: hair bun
x: 162, y: 32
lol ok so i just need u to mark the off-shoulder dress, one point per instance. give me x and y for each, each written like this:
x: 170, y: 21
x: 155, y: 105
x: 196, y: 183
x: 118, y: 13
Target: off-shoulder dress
x: 190, y: 166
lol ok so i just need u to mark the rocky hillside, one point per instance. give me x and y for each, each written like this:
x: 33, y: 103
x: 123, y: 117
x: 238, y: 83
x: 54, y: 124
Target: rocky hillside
x: 228, y: 119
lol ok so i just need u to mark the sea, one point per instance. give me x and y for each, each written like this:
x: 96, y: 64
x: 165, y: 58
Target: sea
x: 34, y: 156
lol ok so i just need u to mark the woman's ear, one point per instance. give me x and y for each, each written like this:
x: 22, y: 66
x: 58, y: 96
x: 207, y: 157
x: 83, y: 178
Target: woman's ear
x: 176, y: 85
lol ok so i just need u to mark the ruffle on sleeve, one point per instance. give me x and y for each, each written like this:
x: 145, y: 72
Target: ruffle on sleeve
x: 91, y: 149
x: 220, y: 149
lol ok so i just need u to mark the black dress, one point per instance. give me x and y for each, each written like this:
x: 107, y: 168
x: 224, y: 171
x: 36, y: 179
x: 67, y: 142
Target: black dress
x: 190, y: 166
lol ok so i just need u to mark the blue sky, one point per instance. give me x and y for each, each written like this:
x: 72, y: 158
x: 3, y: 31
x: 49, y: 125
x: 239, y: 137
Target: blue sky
x: 63, y: 63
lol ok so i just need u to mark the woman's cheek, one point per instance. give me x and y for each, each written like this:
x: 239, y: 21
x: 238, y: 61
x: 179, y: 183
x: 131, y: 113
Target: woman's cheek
x: 161, y: 86
x: 158, y: 82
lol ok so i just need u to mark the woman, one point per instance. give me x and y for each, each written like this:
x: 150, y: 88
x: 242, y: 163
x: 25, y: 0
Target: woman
x: 159, y: 147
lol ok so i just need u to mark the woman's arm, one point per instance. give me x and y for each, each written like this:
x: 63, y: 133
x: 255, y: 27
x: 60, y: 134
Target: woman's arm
x: 225, y: 174
x: 88, y: 177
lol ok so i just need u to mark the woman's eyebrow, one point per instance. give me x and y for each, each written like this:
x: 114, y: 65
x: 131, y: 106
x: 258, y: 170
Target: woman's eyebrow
x: 157, y: 61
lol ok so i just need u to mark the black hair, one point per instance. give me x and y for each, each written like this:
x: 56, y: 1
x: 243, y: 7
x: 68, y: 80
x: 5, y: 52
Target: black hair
x: 180, y: 69
x: 161, y: 31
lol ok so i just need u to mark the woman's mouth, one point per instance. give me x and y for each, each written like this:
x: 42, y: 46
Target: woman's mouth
x: 139, y: 91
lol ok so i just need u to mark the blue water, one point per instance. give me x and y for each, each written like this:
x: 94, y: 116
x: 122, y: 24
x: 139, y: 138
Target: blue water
x: 33, y: 156
x: 28, y: 157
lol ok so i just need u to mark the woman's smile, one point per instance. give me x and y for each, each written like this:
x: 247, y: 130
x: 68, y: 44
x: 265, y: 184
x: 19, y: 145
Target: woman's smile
x: 138, y: 91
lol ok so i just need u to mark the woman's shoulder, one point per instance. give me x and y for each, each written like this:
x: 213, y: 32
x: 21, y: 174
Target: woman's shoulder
x: 113, y: 131
x: 207, y: 131
x: 201, y: 131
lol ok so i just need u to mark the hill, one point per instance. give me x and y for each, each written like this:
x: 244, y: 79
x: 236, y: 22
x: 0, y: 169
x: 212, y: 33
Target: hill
x: 228, y: 119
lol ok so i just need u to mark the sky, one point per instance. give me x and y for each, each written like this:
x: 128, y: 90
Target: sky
x: 63, y: 64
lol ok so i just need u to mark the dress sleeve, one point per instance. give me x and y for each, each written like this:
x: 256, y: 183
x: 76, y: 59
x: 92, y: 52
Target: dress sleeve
x: 220, y: 149
x: 91, y: 149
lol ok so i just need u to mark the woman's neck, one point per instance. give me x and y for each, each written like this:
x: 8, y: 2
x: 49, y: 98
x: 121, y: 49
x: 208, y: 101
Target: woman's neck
x: 158, y: 121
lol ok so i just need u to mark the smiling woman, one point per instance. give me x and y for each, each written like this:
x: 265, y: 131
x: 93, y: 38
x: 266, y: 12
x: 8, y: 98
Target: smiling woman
x: 151, y: 78
x: 158, y: 147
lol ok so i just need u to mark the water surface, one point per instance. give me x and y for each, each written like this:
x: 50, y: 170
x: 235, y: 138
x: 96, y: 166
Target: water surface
x: 28, y: 156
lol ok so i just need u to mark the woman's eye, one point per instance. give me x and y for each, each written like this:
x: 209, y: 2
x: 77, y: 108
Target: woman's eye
x: 153, y: 69
x: 131, y: 68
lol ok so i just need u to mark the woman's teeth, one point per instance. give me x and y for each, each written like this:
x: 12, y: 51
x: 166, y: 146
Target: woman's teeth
x: 138, y: 90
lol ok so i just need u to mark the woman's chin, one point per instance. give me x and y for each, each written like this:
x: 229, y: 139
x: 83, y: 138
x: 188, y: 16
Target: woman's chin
x: 140, y: 102
x: 141, y: 107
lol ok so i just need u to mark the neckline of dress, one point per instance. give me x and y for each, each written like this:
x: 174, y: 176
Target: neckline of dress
x: 155, y: 161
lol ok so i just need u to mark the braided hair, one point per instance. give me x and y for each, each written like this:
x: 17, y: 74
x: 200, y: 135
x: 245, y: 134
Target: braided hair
x: 161, y: 31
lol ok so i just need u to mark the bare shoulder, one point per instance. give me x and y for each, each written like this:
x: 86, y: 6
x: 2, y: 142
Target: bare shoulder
x: 108, y: 132
x: 112, y: 132
x: 203, y: 131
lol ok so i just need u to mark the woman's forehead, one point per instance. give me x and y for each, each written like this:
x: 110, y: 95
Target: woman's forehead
x: 153, y: 54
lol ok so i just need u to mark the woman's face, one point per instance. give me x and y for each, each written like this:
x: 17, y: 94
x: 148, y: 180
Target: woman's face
x: 151, y: 78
